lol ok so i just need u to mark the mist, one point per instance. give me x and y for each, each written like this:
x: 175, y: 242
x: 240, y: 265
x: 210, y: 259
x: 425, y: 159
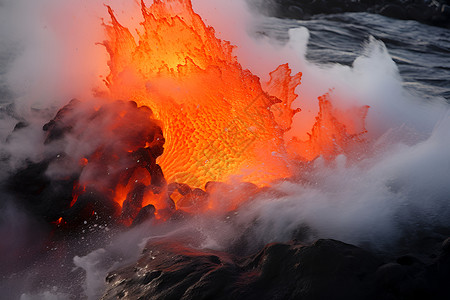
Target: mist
x: 398, y: 188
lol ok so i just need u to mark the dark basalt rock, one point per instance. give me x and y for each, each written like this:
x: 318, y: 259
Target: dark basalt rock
x: 133, y: 202
x: 120, y: 138
x: 327, y: 269
x: 58, y: 126
x: 40, y: 194
x: 106, y: 210
x: 169, y: 270
x: 145, y: 213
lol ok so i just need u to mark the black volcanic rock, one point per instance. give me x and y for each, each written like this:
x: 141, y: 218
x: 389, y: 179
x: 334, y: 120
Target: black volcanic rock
x: 57, y: 127
x: 88, y: 149
x: 38, y: 193
x: 327, y: 269
x: 145, y: 213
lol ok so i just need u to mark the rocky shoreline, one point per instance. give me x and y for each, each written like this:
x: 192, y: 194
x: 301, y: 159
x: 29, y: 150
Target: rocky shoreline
x: 432, y: 12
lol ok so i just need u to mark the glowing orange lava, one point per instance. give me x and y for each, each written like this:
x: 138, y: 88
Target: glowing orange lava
x: 219, y: 120
x: 335, y: 132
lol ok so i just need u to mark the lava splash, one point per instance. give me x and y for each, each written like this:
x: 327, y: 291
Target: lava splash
x: 219, y: 122
x: 219, y: 119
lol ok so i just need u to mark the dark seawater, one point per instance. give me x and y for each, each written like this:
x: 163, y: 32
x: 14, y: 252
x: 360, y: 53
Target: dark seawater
x: 421, y: 52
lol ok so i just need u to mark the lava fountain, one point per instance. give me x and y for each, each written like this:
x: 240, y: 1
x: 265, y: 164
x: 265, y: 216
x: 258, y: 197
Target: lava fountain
x: 219, y: 121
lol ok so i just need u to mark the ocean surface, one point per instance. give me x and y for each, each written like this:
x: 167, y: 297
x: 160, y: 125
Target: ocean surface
x: 421, y: 52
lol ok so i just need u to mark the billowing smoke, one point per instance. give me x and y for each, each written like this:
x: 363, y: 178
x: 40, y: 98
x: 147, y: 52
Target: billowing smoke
x: 49, y: 55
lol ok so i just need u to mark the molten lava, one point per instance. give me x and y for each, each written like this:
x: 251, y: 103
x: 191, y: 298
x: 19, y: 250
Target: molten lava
x: 334, y: 132
x: 219, y: 121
